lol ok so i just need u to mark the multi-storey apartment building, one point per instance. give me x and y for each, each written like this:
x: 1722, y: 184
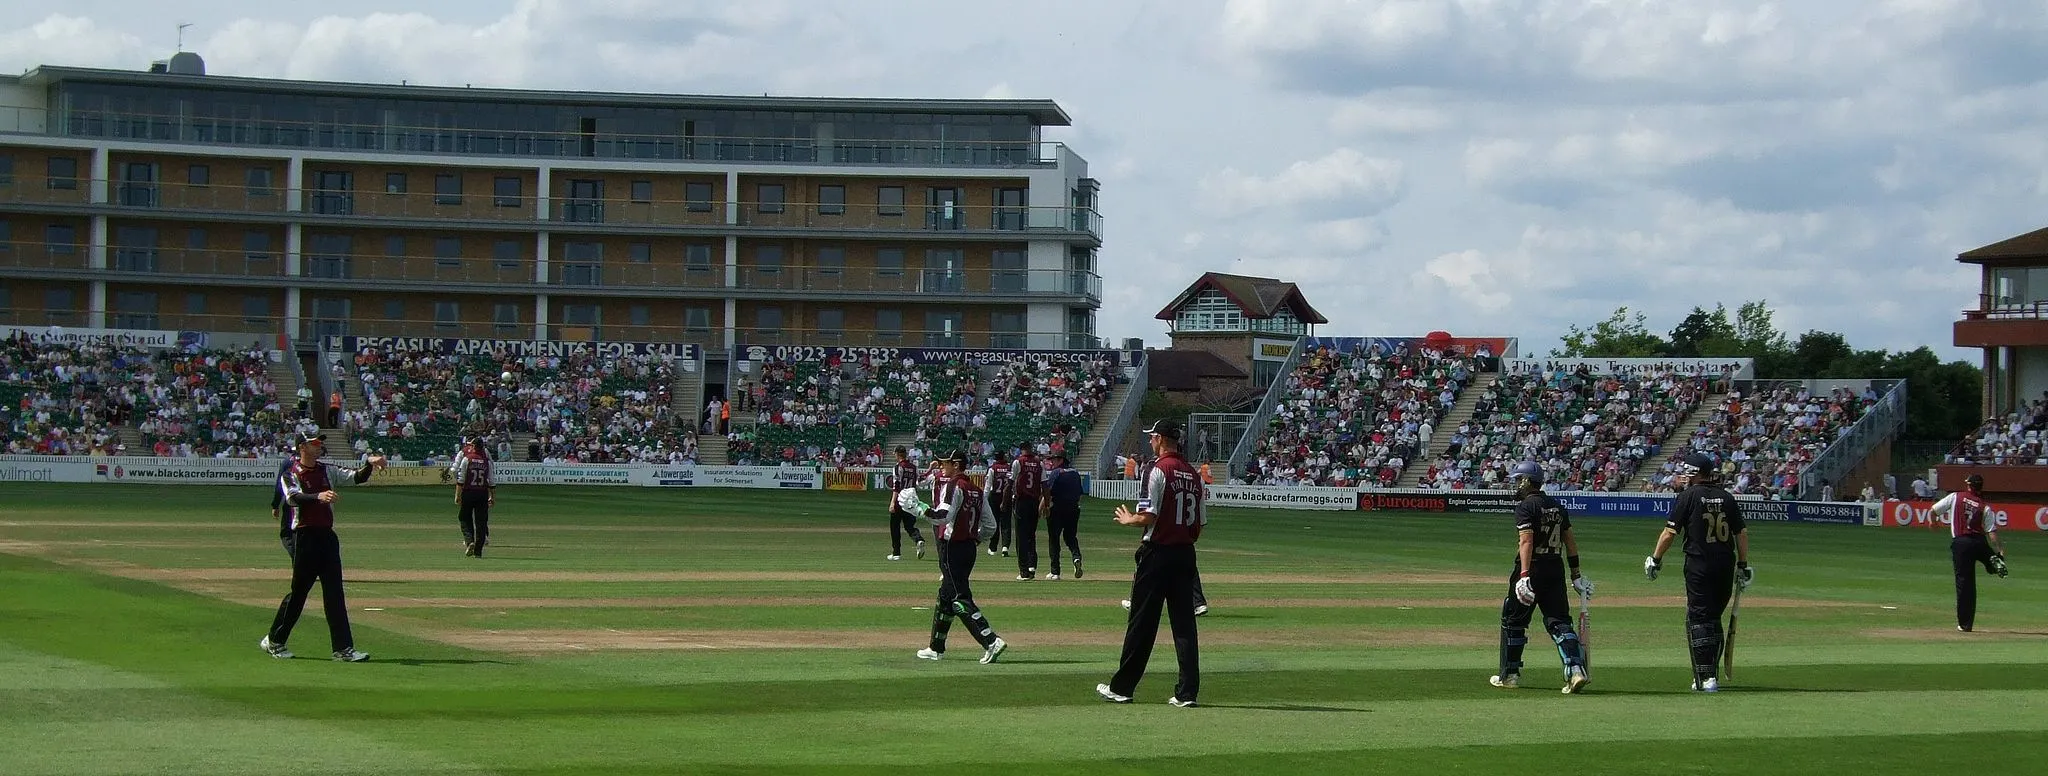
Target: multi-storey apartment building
x: 173, y: 199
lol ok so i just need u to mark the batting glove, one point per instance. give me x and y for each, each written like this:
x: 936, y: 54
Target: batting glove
x: 1583, y: 585
x: 1651, y: 565
x: 1525, y: 592
x: 1744, y: 574
x: 908, y: 501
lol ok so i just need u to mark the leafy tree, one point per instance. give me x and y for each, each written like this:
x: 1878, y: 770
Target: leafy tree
x: 1698, y: 328
x: 1620, y: 336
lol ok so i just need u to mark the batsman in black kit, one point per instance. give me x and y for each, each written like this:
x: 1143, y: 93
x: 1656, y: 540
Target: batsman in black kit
x: 959, y: 521
x: 1546, y: 548
x: 1716, y: 560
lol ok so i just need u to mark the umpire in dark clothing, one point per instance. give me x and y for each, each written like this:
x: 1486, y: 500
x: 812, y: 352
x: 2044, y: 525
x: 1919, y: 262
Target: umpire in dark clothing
x: 1063, y: 513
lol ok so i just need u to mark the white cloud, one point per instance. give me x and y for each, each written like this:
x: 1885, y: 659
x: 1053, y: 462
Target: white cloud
x: 1343, y: 179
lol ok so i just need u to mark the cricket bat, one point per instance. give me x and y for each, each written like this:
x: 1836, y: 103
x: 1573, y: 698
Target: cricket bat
x: 1728, y: 644
x: 1585, y: 628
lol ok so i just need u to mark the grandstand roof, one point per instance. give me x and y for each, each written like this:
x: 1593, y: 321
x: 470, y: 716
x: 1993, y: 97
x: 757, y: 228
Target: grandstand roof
x: 1256, y: 297
x: 2032, y: 245
x: 1184, y: 370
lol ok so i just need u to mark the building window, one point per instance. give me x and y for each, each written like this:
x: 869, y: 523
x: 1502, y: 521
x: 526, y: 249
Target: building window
x: 256, y: 245
x: 832, y: 323
x: 199, y: 175
x: 447, y: 189
x: 257, y: 179
x: 505, y: 315
x: 135, y: 249
x: 697, y: 197
x: 505, y: 192
x: 832, y: 200
x: 942, y: 329
x: 394, y: 310
x: 638, y: 315
x: 195, y: 239
x: 643, y: 191
x: 697, y: 320
x: 583, y: 263
x: 1010, y: 209
x: 889, y: 200
x: 394, y: 245
x: 768, y: 320
x: 639, y: 253
x: 1007, y: 330
x: 1010, y: 271
x: 6, y: 169
x: 134, y: 310
x: 1209, y: 311
x: 770, y: 195
x: 394, y: 183
x: 58, y: 299
x: 60, y: 239
x: 697, y: 258
x: 580, y: 314
x: 327, y: 255
x: 831, y: 261
x: 507, y: 253
x: 889, y: 325
x: 195, y: 303
x: 255, y: 309
x: 889, y: 262
x: 446, y: 315
x: 448, y: 251
x: 63, y: 172
x: 768, y: 259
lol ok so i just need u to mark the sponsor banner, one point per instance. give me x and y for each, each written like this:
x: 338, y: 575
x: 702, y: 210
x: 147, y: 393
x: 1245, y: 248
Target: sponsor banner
x: 567, y: 474
x: 70, y: 337
x: 1271, y: 349
x: 2008, y: 516
x: 408, y: 474
x: 468, y: 346
x: 759, y: 353
x: 1273, y: 497
x: 47, y: 469
x: 800, y: 478
x: 187, y: 471
x: 1712, y: 367
x: 846, y: 479
x: 1825, y: 512
x: 1596, y: 504
x: 1496, y: 347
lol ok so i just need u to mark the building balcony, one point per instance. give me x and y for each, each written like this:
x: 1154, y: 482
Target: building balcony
x: 566, y: 214
x: 524, y: 275
x: 2003, y: 322
x: 452, y: 141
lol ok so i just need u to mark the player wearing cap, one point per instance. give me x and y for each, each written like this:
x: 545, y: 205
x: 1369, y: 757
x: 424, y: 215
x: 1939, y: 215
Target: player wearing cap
x: 308, y: 488
x: 1027, y: 488
x: 959, y: 519
x: 476, y: 491
x: 1973, y: 540
x: 1062, y: 512
x: 1172, y: 515
x: 1000, y: 501
x: 903, y: 477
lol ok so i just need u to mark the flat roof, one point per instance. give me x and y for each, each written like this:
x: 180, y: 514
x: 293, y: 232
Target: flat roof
x: 1045, y: 113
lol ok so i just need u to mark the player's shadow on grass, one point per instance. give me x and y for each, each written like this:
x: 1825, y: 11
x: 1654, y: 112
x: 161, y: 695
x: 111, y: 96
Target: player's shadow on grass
x: 1289, y: 707
x: 1016, y: 661
x: 1747, y: 689
x: 421, y: 661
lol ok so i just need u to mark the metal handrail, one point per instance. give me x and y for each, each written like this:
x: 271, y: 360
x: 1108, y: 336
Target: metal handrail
x: 1996, y: 307
x: 384, y: 138
x: 1878, y: 425
x: 1240, y: 456
x: 1105, y: 457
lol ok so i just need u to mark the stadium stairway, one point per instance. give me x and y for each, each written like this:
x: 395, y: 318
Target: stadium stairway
x: 130, y: 437
x: 686, y: 396
x: 1680, y: 437
x: 1461, y: 411
x: 711, y: 450
x: 287, y: 381
x: 1098, y: 434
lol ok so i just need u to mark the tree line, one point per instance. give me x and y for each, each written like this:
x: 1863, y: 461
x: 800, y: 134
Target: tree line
x: 1943, y: 400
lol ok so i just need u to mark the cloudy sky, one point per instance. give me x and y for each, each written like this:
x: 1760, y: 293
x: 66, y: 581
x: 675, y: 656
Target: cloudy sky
x: 1489, y: 167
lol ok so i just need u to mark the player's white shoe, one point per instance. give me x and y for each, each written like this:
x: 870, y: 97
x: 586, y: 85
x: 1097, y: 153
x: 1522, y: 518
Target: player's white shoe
x: 895, y: 557
x: 276, y: 650
x: 1575, y: 680
x: 1710, y: 685
x: 351, y: 655
x: 1176, y: 702
x: 1201, y: 610
x: 928, y: 654
x: 920, y: 550
x: 1108, y: 695
x: 995, y: 649
x: 1127, y: 604
x: 1506, y: 681
x: 1053, y: 577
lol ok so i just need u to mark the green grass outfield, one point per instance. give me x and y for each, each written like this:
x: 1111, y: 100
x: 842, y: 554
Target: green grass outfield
x: 761, y: 632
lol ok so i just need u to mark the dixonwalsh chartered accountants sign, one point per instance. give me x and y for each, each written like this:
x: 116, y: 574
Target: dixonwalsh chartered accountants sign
x: 469, y: 346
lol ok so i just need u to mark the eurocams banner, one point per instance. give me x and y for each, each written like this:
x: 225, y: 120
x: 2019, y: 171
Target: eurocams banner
x: 2007, y: 515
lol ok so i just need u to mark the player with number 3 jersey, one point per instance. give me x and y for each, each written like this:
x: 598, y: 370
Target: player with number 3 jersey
x: 1716, y: 559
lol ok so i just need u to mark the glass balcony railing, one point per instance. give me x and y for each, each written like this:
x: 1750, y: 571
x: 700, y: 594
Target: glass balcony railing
x: 667, y: 272
x: 459, y: 206
x: 386, y: 138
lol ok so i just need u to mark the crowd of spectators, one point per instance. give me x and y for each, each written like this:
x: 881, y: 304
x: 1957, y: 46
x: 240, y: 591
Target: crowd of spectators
x: 1763, y: 440
x: 1358, y: 418
x: 1590, y: 432
x: 2013, y: 438
x: 58, y: 399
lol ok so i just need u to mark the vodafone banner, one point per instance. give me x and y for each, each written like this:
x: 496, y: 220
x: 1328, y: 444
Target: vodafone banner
x: 2008, y: 516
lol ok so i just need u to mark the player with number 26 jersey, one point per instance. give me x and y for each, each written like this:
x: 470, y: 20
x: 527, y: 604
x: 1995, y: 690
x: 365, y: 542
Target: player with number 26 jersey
x: 1709, y: 519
